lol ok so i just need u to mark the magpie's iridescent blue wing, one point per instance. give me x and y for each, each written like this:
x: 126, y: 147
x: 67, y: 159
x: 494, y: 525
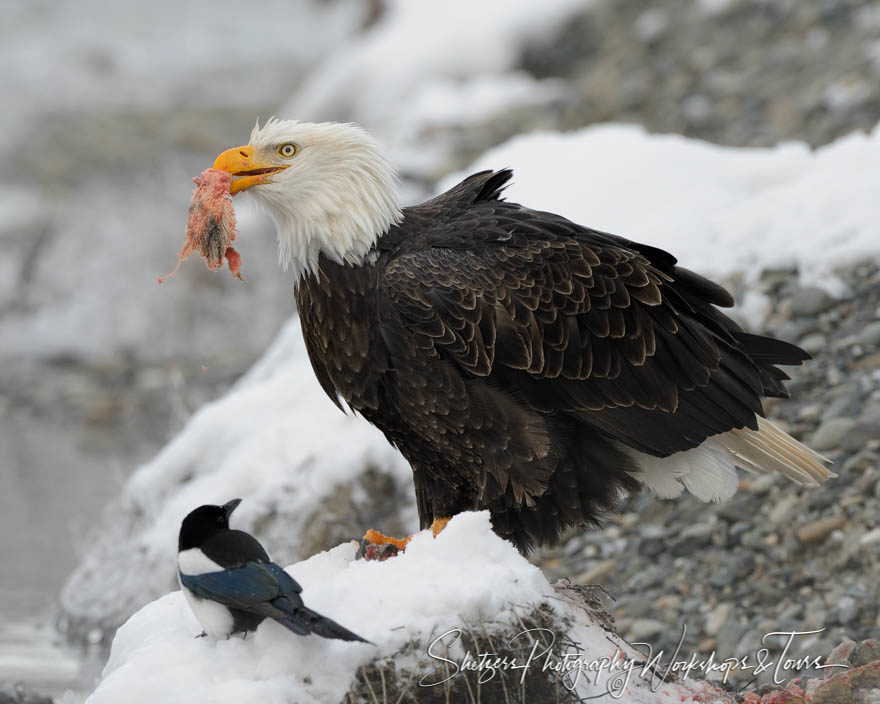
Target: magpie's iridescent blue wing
x: 247, y: 587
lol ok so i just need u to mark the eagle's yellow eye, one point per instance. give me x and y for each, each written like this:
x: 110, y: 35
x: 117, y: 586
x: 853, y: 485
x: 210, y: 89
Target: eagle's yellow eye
x: 288, y: 150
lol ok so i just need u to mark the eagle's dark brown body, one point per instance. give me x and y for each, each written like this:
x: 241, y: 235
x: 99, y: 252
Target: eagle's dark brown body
x: 513, y: 357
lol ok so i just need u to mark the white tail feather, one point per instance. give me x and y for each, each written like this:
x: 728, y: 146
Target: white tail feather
x: 709, y: 470
x: 706, y: 471
x: 771, y: 449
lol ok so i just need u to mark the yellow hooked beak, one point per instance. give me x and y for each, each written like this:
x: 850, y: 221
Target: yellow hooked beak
x: 246, y: 171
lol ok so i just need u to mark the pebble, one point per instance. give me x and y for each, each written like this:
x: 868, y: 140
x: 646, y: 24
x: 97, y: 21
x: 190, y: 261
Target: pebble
x: 847, y: 405
x: 644, y: 628
x: 782, y: 511
x: 646, y: 578
x: 753, y: 538
x: 597, y: 573
x: 816, y: 531
x: 717, y: 618
x: 814, y: 343
x: 693, y: 538
x: 810, y: 301
x: 845, y: 611
x: 869, y: 337
x: 729, y: 635
x: 862, y: 432
x: 667, y: 601
x: 869, y: 651
x: 831, y: 433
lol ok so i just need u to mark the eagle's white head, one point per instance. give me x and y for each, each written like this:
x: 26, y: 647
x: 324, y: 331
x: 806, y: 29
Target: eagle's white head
x: 326, y: 186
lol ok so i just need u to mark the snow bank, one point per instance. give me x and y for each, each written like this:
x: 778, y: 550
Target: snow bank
x: 717, y: 209
x: 276, y: 441
x: 466, y: 575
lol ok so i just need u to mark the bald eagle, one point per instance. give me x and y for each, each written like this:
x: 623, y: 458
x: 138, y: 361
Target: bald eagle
x: 522, y: 363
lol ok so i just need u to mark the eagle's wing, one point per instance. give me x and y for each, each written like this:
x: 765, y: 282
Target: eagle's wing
x: 568, y: 319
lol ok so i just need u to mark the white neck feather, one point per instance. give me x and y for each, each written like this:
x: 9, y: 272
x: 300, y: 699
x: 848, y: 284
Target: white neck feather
x: 337, y: 197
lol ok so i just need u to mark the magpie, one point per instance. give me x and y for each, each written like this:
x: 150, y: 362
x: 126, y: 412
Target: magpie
x: 232, y: 585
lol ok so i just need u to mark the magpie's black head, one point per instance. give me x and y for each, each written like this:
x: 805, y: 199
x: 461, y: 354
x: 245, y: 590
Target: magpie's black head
x: 204, y: 523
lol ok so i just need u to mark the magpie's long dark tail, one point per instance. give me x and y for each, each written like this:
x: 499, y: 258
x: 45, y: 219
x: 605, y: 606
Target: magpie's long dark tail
x: 303, y: 621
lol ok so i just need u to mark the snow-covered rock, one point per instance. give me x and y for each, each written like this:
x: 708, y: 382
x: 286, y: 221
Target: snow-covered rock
x: 411, y: 607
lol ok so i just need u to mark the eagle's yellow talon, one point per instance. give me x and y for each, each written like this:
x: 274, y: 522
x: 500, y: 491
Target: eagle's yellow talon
x: 374, y: 537
x: 438, y: 525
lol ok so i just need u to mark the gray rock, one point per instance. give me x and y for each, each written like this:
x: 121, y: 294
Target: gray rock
x: 869, y: 337
x: 783, y: 510
x: 692, y: 539
x: 817, y: 531
x: 651, y: 576
x: 771, y: 278
x: 847, y: 405
x: 651, y: 547
x: 846, y: 610
x: 863, y: 432
x: 750, y: 641
x: 716, y: 618
x: 810, y: 301
x: 753, y: 539
x: 17, y: 694
x: 644, y: 629
x: 871, y: 696
x: 831, y: 433
x: 814, y: 343
x: 728, y: 637
x: 868, y: 651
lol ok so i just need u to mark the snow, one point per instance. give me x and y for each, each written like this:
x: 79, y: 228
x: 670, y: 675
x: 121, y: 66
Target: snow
x: 275, y: 440
x: 466, y: 575
x: 462, y: 71
x: 368, y: 77
x: 718, y: 209
x: 470, y: 100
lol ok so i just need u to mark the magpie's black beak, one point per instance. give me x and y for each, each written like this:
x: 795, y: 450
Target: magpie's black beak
x: 230, y: 506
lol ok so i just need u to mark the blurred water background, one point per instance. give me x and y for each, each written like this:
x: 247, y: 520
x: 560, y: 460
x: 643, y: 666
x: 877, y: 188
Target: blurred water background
x: 110, y: 108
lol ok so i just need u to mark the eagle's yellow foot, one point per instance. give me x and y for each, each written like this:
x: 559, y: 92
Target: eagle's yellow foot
x: 378, y: 546
x: 374, y: 537
x: 438, y: 525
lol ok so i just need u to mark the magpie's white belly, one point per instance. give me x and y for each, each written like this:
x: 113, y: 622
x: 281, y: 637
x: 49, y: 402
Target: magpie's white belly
x: 215, y: 618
